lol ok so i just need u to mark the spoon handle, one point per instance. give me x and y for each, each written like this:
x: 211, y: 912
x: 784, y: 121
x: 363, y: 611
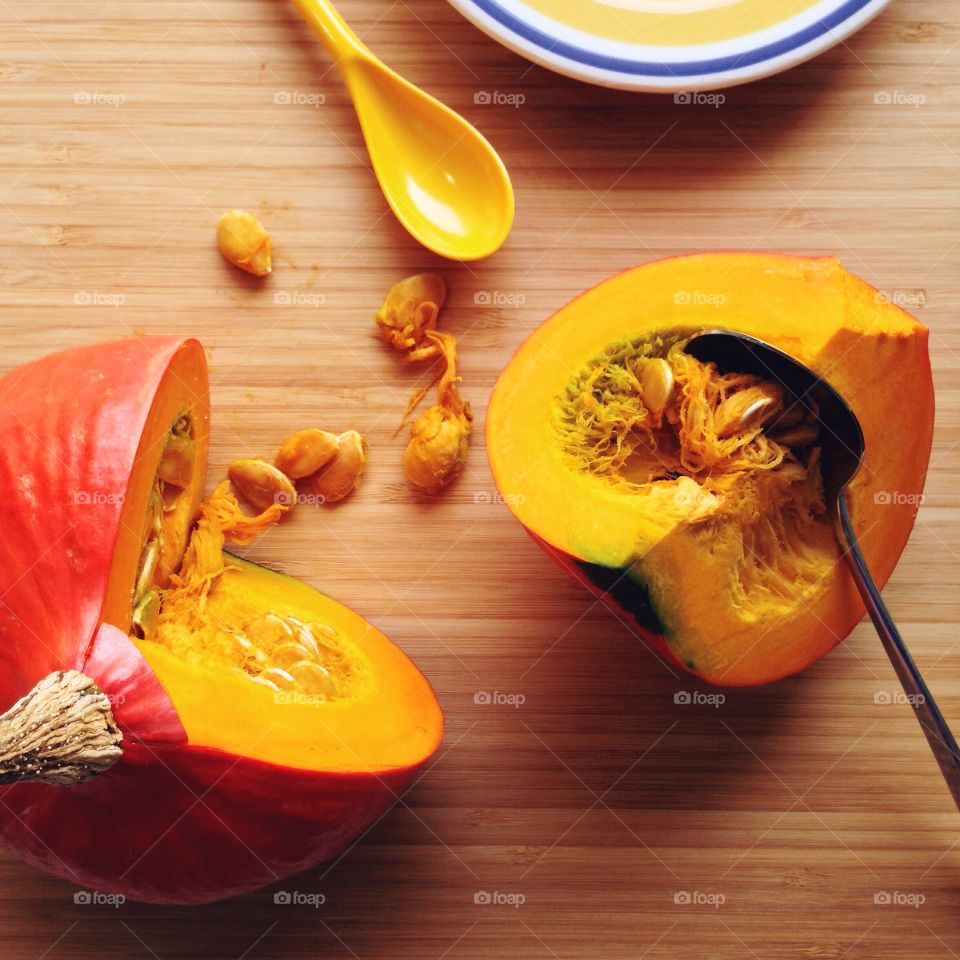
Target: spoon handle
x: 340, y: 41
x: 938, y: 734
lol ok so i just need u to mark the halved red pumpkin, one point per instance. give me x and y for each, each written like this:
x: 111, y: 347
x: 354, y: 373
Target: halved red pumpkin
x: 707, y: 529
x: 264, y: 725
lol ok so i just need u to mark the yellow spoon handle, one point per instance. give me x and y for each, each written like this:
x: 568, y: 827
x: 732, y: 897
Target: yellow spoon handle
x: 339, y: 40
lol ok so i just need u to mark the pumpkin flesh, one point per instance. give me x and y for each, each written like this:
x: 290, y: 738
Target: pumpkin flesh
x: 732, y: 574
x: 380, y: 716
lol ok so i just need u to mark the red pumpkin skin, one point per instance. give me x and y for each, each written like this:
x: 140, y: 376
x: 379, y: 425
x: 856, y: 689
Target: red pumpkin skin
x: 174, y: 823
x: 170, y: 822
x: 70, y: 425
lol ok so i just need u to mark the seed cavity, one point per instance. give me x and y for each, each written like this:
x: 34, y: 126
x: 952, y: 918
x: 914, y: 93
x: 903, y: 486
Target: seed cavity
x: 754, y: 457
x: 162, y: 525
x: 282, y: 654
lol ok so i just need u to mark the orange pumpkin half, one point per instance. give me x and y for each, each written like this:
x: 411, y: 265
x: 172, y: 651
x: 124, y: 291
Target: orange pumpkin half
x: 252, y: 729
x: 726, y: 561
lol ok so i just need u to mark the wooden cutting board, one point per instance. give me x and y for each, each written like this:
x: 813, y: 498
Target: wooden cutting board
x: 590, y: 804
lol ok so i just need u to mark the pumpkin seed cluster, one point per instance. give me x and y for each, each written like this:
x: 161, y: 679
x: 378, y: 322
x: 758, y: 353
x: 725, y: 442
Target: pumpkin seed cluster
x: 289, y: 656
x: 439, y: 437
x: 644, y: 412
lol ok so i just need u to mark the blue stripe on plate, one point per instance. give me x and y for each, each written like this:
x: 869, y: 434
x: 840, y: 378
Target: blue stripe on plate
x: 691, y: 68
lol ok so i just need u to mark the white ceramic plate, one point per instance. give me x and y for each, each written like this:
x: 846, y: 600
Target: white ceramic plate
x: 669, y: 45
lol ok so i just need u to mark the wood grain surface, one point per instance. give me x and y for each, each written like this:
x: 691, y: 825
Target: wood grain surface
x: 591, y: 802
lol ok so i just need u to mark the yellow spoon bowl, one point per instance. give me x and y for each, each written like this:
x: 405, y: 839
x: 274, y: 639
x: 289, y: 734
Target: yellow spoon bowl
x: 442, y: 179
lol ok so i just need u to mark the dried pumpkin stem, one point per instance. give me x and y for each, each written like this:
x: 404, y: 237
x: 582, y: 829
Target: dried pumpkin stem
x: 63, y: 731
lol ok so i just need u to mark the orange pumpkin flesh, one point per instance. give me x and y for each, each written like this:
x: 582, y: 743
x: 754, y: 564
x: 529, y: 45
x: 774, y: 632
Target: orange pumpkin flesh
x: 224, y: 784
x: 391, y: 721
x: 710, y: 571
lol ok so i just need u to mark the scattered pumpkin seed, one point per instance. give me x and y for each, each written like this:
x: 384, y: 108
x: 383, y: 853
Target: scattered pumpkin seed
x: 243, y: 240
x: 341, y: 476
x: 261, y: 483
x: 305, y: 452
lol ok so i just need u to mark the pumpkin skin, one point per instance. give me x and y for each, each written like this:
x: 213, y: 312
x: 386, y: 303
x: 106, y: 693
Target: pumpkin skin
x: 640, y: 554
x: 179, y: 818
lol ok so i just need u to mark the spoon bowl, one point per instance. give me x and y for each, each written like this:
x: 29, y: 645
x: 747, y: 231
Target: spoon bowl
x: 841, y: 437
x: 440, y: 176
x: 842, y: 449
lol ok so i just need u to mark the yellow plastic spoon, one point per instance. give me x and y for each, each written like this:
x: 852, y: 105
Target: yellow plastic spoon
x: 440, y: 176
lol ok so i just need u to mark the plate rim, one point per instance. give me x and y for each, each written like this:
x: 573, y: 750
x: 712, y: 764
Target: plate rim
x: 679, y: 76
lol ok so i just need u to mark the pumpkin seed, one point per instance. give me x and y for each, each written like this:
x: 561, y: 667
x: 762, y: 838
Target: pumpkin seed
x: 249, y: 649
x: 746, y: 410
x: 656, y: 382
x: 305, y: 452
x: 313, y: 678
x: 268, y: 631
x: 801, y: 435
x: 243, y: 240
x: 308, y: 640
x: 265, y: 683
x: 261, y: 483
x: 155, y: 510
x: 145, y: 613
x: 285, y: 624
x: 177, y: 461
x: 288, y: 654
x: 279, y: 678
x: 148, y: 567
x: 342, y: 475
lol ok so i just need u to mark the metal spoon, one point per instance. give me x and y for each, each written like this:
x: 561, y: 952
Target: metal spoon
x: 842, y: 448
x: 442, y: 179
